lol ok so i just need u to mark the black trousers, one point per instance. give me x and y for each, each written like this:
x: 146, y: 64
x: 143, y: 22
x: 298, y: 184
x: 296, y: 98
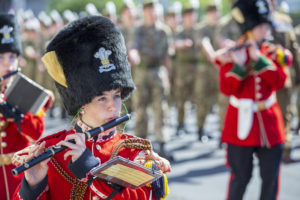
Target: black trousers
x: 240, y: 160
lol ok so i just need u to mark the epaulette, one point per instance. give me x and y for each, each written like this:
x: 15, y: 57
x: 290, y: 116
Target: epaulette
x: 281, y: 56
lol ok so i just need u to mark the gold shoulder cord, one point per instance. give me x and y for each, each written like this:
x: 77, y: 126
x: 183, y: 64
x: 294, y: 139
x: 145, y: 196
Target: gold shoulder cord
x: 132, y: 143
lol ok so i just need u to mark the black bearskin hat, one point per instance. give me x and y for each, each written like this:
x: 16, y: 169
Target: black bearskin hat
x: 250, y: 13
x: 9, y: 34
x: 86, y: 58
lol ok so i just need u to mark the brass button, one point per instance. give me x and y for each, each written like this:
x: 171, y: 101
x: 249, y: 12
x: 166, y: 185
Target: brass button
x: 2, y: 123
x: 6, y: 160
x: 257, y: 87
x: 3, y: 134
x: 95, y: 198
x: 4, y: 144
x: 258, y: 95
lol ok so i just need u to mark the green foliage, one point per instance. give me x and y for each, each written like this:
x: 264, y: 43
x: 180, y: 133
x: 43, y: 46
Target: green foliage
x: 79, y: 5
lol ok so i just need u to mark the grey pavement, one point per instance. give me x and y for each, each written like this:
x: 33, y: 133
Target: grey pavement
x: 199, y: 172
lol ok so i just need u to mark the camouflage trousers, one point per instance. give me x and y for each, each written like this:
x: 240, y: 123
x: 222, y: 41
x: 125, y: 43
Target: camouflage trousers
x: 222, y: 104
x: 284, y: 101
x: 152, y: 90
x: 206, y: 92
x: 298, y: 103
x: 184, y: 87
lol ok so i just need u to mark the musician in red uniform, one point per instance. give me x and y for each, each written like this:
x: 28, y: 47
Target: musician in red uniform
x: 88, y: 61
x: 17, y: 130
x: 253, y: 123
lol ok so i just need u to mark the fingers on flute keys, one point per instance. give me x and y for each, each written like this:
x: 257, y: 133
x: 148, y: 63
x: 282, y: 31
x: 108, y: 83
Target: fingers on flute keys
x: 77, y: 148
x: 35, y: 151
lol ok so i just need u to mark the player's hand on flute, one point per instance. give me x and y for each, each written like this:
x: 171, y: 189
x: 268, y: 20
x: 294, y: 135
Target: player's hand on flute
x: 37, y: 173
x: 75, y: 150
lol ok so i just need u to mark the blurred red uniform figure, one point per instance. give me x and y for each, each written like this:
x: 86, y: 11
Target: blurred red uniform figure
x: 250, y: 73
x: 17, y: 130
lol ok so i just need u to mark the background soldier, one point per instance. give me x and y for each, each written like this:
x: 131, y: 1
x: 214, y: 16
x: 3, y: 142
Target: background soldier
x: 187, y: 53
x: 31, y: 50
x: 207, y: 90
x: 297, y: 31
x: 172, y: 21
x: 127, y: 26
x: 46, y: 80
x: 150, y: 52
x: 283, y: 34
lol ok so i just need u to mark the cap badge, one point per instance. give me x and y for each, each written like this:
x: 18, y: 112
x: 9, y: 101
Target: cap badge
x: 6, y: 30
x: 103, y: 54
x: 262, y: 9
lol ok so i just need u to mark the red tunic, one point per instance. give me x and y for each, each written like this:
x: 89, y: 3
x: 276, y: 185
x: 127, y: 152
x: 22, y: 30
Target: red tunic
x: 264, y: 79
x: 59, y: 188
x: 32, y: 128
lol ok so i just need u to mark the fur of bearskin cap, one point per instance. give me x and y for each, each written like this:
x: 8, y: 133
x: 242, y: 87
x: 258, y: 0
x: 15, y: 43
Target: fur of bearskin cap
x: 250, y: 13
x: 93, y: 57
x: 9, y: 34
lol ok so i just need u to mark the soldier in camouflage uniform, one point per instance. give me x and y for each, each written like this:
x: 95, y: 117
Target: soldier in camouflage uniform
x: 172, y: 21
x: 187, y: 54
x: 47, y: 82
x: 207, y: 90
x: 284, y: 35
x: 150, y: 53
x: 127, y: 18
x: 44, y: 37
x: 297, y: 31
x: 31, y: 49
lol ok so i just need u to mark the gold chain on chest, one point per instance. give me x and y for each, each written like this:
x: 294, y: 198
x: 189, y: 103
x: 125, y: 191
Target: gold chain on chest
x: 78, y: 187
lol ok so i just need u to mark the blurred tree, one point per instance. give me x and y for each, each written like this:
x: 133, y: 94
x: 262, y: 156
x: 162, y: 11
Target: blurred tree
x: 223, y: 5
x: 79, y: 5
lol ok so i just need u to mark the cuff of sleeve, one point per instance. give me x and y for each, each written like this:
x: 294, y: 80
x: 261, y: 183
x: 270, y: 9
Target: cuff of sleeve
x: 261, y: 64
x: 239, y: 71
x: 83, y: 164
x: 26, y: 192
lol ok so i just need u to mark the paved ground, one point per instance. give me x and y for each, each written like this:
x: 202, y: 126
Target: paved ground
x: 198, y: 170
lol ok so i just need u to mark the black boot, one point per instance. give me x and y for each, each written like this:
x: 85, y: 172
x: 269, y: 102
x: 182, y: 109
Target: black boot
x: 201, y: 136
x: 180, y: 130
x: 51, y: 113
x: 298, y: 129
x: 163, y: 153
x: 286, y: 157
x: 63, y: 114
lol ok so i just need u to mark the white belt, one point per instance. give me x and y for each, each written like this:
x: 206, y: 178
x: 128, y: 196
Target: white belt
x: 258, y: 105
